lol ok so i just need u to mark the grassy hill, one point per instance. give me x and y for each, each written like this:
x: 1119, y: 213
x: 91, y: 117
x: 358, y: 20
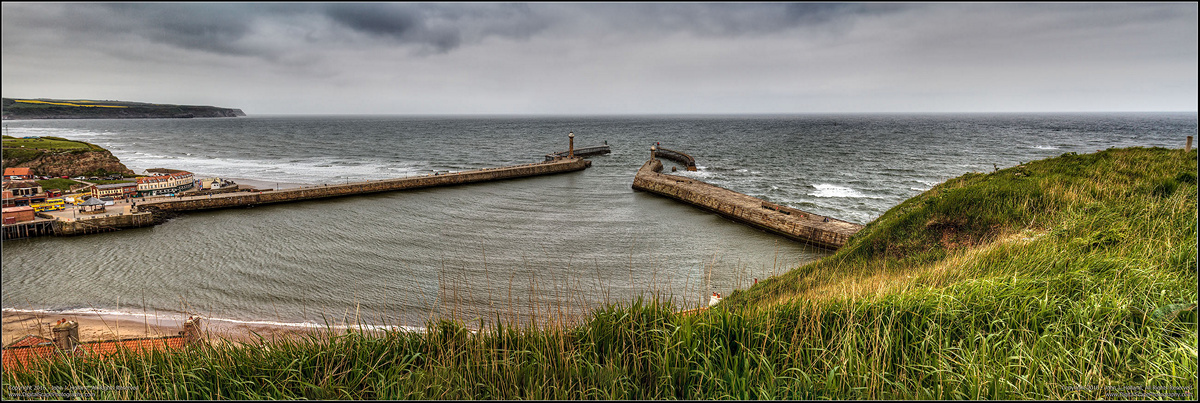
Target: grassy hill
x: 56, y: 156
x: 41, y: 108
x: 1067, y: 278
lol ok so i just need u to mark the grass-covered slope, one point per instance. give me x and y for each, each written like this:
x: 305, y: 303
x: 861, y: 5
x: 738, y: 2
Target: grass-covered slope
x: 1121, y: 218
x: 1068, y: 278
x: 56, y: 156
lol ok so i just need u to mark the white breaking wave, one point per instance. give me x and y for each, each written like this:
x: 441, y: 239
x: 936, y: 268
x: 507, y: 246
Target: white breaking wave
x: 316, y: 170
x: 827, y: 190
x: 1046, y: 147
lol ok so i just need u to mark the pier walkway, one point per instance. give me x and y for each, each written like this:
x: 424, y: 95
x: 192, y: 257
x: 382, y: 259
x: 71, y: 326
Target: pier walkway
x: 242, y: 199
x: 795, y: 224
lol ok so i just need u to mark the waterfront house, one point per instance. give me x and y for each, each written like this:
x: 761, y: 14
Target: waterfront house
x: 216, y: 184
x: 30, y: 349
x: 165, y: 184
x: 18, y: 174
x: 115, y: 190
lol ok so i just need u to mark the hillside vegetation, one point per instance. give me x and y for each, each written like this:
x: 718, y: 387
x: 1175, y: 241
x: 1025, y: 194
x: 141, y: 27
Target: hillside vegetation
x: 1067, y: 278
x: 56, y: 156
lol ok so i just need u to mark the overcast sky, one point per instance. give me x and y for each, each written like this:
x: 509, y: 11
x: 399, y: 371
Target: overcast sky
x: 602, y: 58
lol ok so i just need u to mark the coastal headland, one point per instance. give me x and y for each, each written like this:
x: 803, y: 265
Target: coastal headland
x: 42, y: 108
x: 57, y: 157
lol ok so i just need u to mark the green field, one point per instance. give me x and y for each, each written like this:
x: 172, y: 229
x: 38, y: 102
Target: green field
x: 1067, y: 278
x: 48, y: 143
x: 59, y: 184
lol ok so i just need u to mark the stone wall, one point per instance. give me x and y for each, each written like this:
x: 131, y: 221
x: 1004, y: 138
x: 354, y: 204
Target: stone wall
x: 105, y: 224
x: 792, y: 223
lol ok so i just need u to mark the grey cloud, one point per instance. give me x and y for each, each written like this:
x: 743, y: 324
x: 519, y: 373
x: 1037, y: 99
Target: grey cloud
x: 440, y: 27
x: 733, y: 19
x: 215, y: 28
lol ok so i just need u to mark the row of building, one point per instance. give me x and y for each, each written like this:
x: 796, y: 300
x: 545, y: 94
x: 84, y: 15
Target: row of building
x: 23, y: 197
x: 19, y: 190
x: 147, y: 186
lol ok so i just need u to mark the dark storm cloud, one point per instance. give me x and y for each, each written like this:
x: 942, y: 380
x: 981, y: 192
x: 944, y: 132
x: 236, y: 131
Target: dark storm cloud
x: 441, y: 27
x: 207, y: 27
x: 225, y: 28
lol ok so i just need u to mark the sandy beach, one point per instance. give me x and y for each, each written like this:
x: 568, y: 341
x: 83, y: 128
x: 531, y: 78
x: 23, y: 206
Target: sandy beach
x: 261, y: 184
x: 95, y: 326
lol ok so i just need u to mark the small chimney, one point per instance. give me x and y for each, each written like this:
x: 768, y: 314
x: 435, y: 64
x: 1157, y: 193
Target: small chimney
x: 66, y: 334
x: 191, y: 330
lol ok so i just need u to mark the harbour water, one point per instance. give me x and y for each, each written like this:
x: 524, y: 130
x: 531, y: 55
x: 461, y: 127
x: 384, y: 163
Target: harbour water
x: 553, y: 246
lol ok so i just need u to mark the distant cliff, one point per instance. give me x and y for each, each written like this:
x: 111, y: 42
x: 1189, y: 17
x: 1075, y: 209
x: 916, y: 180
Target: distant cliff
x: 41, y: 108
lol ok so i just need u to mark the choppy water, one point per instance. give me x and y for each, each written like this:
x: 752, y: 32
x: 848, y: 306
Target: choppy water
x: 567, y: 242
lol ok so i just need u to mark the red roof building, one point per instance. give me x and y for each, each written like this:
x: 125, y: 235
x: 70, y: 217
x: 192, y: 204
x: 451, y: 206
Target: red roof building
x: 32, y: 349
x: 18, y: 173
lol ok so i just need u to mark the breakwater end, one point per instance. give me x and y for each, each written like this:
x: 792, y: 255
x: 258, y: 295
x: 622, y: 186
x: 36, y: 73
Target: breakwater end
x: 581, y: 152
x: 792, y: 223
x: 683, y: 159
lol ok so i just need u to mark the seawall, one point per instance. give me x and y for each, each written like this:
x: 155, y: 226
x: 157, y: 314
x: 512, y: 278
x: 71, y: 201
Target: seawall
x: 106, y: 224
x: 792, y: 223
x: 242, y: 199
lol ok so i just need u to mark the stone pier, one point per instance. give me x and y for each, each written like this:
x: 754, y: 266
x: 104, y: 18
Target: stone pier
x: 243, y: 199
x: 687, y: 161
x: 795, y: 224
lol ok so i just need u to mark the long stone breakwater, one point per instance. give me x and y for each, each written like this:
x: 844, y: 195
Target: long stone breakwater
x: 155, y: 211
x: 795, y: 224
x: 356, y: 188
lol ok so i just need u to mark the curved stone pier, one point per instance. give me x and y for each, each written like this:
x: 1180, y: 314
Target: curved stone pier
x: 683, y: 159
x: 795, y: 224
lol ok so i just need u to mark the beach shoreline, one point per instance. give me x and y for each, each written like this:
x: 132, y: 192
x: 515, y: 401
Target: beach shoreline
x: 263, y: 184
x: 98, y: 326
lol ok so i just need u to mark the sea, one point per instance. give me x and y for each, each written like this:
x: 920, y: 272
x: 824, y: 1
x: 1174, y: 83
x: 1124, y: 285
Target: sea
x: 549, y: 248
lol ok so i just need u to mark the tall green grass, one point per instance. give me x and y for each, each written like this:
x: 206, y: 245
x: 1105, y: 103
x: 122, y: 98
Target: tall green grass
x: 1074, y: 280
